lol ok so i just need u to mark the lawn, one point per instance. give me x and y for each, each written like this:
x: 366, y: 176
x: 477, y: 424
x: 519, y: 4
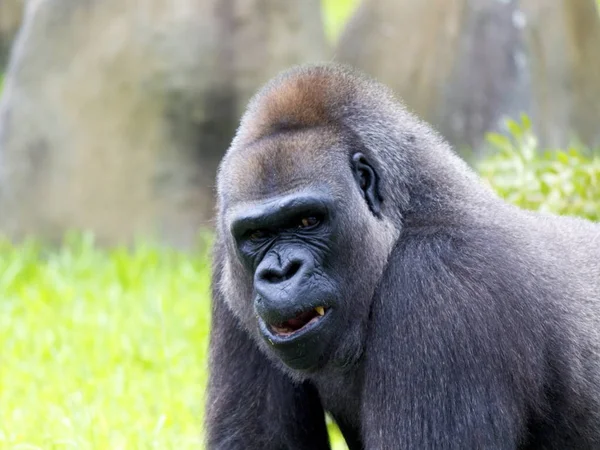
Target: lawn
x: 102, y: 349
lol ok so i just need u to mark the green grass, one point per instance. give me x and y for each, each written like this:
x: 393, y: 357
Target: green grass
x: 102, y: 349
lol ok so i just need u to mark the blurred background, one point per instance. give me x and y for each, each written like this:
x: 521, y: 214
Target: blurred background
x: 114, y: 115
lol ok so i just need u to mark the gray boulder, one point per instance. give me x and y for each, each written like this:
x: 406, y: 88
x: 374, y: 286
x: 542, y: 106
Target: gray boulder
x: 466, y: 65
x: 11, y: 14
x: 115, y: 114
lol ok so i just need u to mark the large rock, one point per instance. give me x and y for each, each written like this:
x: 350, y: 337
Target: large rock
x: 116, y: 113
x: 465, y: 65
x: 11, y: 13
x: 564, y: 41
x: 452, y: 62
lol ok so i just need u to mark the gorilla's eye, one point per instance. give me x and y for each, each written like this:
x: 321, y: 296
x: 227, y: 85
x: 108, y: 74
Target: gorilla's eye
x: 308, y: 222
x: 257, y: 235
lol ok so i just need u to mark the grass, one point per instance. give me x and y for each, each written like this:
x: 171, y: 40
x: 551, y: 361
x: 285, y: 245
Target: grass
x: 102, y: 349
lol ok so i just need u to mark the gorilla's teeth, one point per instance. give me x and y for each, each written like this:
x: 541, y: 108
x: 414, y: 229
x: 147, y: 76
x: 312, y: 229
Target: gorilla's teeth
x: 320, y: 310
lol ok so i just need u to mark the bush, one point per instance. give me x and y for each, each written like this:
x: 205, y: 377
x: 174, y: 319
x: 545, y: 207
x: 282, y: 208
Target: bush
x: 562, y: 182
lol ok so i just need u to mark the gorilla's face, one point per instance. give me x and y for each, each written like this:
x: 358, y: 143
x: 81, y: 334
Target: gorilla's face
x: 287, y: 242
x: 305, y: 242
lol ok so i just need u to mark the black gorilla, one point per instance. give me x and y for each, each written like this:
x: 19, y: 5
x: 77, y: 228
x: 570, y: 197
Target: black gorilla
x: 362, y: 268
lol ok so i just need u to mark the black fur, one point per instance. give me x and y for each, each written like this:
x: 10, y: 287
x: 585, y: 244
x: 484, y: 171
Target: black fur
x: 454, y: 320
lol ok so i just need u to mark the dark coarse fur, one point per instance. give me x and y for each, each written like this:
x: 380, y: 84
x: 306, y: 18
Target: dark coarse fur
x: 457, y: 321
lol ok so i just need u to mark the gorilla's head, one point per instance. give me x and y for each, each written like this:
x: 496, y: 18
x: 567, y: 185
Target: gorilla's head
x: 312, y: 196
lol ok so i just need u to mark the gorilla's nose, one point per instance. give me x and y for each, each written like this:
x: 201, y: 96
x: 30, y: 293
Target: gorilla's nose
x: 278, y: 273
x: 280, y: 279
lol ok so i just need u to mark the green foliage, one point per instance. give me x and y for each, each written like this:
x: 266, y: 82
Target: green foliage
x: 562, y: 182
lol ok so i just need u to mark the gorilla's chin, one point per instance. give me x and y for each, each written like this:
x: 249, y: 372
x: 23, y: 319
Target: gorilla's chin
x: 301, y: 343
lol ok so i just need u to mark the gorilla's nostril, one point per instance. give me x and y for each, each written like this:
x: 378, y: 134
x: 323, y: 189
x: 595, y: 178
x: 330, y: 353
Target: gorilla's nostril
x: 281, y: 274
x: 292, y: 269
x: 271, y: 276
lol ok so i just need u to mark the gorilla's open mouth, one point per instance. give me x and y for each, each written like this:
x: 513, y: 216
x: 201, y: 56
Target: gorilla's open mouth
x: 299, y: 322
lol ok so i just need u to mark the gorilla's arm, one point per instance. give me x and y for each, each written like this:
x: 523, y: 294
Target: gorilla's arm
x: 252, y: 404
x: 453, y: 361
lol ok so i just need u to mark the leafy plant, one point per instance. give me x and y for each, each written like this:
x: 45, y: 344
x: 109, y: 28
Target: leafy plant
x: 559, y: 181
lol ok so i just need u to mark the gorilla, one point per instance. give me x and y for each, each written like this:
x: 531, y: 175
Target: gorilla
x: 362, y: 269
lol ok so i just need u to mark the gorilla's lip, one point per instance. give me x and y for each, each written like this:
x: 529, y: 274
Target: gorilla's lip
x: 297, y: 326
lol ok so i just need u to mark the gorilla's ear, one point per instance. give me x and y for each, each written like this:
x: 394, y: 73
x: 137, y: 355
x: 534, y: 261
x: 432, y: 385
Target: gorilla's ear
x: 366, y: 177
